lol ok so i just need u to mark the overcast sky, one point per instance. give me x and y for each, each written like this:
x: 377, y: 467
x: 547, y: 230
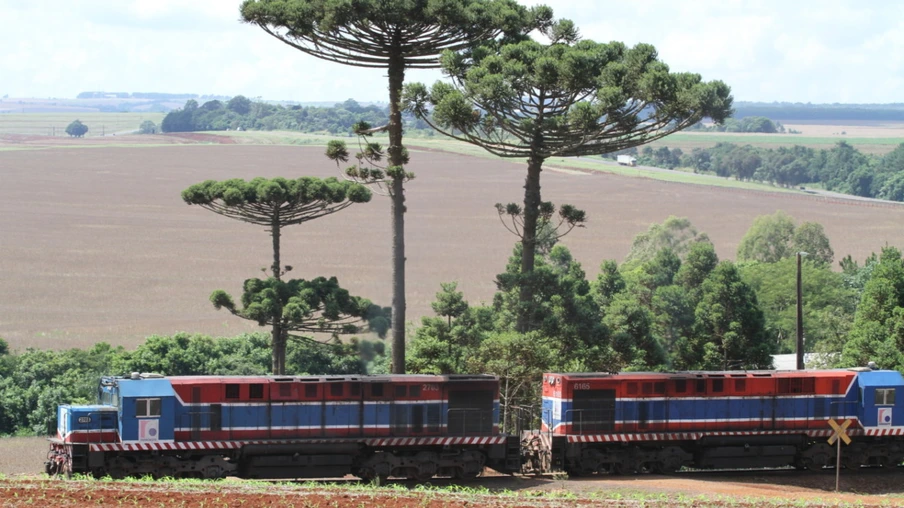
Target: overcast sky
x: 819, y: 51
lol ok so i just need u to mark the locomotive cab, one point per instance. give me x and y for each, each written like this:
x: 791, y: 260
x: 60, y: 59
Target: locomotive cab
x: 881, y: 400
x: 146, y: 410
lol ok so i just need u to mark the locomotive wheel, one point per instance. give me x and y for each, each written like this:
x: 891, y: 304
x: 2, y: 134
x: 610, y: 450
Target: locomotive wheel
x: 618, y: 468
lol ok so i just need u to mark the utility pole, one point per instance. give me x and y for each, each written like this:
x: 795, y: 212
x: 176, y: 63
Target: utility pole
x: 800, y: 316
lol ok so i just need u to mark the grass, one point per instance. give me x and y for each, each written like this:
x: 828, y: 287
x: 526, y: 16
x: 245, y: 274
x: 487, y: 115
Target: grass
x: 54, y: 124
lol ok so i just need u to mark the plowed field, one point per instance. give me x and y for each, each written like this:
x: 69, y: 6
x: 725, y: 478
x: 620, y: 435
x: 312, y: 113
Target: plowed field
x: 97, y: 245
x: 712, y: 489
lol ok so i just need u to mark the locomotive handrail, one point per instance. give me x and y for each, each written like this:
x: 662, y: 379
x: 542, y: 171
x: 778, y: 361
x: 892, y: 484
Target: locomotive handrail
x: 579, y: 424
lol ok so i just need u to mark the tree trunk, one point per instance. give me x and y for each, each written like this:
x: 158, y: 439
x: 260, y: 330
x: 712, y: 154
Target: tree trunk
x: 279, y: 339
x: 397, y: 195
x: 529, y: 241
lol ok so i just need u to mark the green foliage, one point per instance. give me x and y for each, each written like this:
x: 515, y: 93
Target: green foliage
x: 878, y: 330
x: 841, y: 169
x: 759, y: 124
x: 76, y: 129
x: 147, y: 127
x: 768, y: 239
x: 810, y: 237
x: 315, y: 306
x: 828, y: 304
x: 572, y: 97
x: 215, y: 116
x: 774, y: 237
x: 37, y: 380
x: 568, y: 98
x: 449, y: 302
x: 730, y: 330
x: 40, y: 380
x: 675, y: 233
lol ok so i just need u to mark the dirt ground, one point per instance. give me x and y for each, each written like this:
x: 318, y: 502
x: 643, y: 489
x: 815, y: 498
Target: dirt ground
x: 97, y: 244
x: 776, y: 488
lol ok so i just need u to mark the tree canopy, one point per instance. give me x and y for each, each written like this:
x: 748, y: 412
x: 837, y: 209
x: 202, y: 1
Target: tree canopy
x: 76, y: 129
x: 277, y: 203
x: 394, y: 35
x: 570, y: 97
x: 775, y: 237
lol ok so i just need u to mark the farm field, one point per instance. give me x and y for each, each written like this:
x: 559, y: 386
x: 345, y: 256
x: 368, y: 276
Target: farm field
x: 873, y: 138
x: 748, y: 489
x: 97, y: 244
x: 54, y: 124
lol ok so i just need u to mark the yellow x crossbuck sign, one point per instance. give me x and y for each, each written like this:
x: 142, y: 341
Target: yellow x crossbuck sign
x: 840, y: 431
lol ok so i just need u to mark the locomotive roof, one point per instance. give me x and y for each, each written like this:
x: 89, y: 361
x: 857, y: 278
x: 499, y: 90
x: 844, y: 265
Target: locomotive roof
x: 405, y: 378
x: 158, y: 387
x: 705, y: 374
x: 881, y: 378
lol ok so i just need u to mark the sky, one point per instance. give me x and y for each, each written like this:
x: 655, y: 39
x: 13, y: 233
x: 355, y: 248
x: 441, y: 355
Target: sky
x: 819, y: 51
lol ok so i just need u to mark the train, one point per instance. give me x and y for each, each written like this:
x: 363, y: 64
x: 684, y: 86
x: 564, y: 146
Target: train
x: 418, y: 427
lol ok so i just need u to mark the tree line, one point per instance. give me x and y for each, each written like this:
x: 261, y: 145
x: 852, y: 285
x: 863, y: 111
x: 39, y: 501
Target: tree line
x: 33, y: 382
x: 671, y: 304
x: 841, y: 168
x: 241, y: 113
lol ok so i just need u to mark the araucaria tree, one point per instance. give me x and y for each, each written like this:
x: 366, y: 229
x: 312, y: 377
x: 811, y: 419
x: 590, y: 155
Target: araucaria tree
x: 571, y: 97
x: 319, y: 305
x: 394, y: 35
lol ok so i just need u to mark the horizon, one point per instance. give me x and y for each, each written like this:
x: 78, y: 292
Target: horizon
x: 801, y: 52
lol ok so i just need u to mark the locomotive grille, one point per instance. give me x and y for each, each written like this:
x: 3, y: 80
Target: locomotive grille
x: 470, y: 413
x: 594, y: 411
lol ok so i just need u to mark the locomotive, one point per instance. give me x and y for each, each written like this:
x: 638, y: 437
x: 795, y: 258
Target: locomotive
x: 413, y: 426
x: 421, y: 426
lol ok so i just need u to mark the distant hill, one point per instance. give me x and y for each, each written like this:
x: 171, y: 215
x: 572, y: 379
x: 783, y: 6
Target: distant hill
x: 797, y: 111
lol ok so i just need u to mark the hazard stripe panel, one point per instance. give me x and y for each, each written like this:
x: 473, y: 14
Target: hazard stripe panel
x: 228, y: 445
x: 693, y: 436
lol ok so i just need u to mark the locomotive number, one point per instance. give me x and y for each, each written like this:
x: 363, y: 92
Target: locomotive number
x: 84, y: 419
x: 430, y: 388
x: 582, y: 386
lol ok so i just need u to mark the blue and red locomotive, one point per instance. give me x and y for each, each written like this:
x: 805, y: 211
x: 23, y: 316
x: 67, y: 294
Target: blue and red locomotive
x: 742, y: 419
x: 417, y: 426
x: 286, y: 427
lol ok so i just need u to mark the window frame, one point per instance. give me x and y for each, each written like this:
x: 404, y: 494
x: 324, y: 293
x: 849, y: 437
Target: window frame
x: 148, y: 404
x: 886, y: 392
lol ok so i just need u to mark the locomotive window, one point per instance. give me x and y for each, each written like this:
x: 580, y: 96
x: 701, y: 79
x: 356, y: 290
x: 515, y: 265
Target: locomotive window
x: 400, y: 390
x: 836, y: 386
x: 355, y: 389
x: 433, y: 418
x: 680, y: 386
x: 718, y: 385
x: 256, y: 391
x: 336, y: 389
x: 885, y: 396
x: 632, y: 388
x: 415, y: 391
x: 376, y: 390
x: 145, y: 408
x: 740, y: 385
x: 310, y: 391
x: 285, y: 390
x: 647, y: 388
x: 659, y: 388
x: 216, y: 417
x: 232, y: 391
x: 701, y: 386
